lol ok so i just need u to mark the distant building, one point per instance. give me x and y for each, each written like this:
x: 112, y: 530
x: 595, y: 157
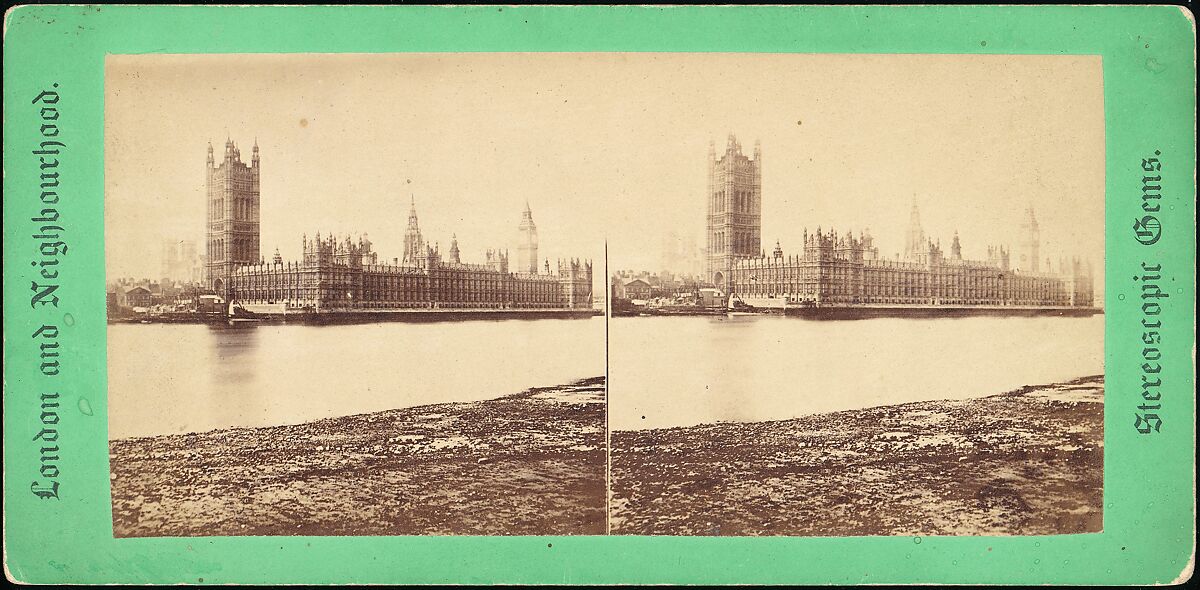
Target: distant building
x: 133, y: 297
x: 847, y: 269
x: 233, y: 215
x: 527, y: 243
x: 210, y: 304
x: 181, y: 262
x: 681, y: 256
x: 1030, y: 249
x: 414, y: 245
x: 347, y: 274
x: 734, y: 209
x: 632, y: 288
x: 914, y: 240
x: 156, y: 293
x: 710, y: 297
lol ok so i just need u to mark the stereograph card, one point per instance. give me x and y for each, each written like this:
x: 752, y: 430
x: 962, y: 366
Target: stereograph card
x: 599, y: 295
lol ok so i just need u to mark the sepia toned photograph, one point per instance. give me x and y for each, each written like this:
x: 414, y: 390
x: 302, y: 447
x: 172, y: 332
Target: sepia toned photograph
x: 681, y: 294
x: 348, y: 295
x: 860, y: 296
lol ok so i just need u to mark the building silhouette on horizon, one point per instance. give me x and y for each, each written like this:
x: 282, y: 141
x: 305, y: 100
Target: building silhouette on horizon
x: 344, y: 273
x: 734, y: 208
x: 845, y: 269
x: 181, y: 262
x: 233, y: 214
x: 527, y: 242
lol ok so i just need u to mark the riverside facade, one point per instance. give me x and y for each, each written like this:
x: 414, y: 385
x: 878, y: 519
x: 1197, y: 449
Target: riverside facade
x: 347, y: 274
x: 833, y: 269
x: 847, y: 270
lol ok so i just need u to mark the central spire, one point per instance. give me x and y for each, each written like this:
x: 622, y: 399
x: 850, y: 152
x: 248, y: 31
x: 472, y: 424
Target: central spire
x: 414, y: 245
x: 454, y: 253
x: 527, y: 244
x: 915, y: 240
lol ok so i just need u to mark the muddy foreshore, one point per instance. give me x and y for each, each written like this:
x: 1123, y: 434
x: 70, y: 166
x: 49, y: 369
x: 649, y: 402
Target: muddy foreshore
x: 1026, y: 462
x: 532, y: 463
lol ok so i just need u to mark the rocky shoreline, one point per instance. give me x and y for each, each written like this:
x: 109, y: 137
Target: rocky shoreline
x: 531, y: 463
x: 1026, y: 462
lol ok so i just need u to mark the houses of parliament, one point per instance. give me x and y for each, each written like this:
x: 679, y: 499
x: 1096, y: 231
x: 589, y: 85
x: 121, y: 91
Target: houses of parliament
x: 846, y: 269
x: 344, y: 273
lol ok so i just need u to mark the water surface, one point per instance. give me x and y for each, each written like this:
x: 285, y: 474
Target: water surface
x: 172, y: 378
x: 682, y: 371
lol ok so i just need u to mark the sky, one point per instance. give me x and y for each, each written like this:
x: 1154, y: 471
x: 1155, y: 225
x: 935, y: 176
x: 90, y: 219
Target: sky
x: 607, y: 148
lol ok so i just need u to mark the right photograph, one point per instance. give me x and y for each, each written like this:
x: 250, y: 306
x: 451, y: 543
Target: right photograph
x: 865, y: 300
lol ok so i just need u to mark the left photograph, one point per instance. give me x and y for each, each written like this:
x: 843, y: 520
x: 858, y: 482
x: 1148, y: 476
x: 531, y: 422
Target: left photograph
x: 348, y: 295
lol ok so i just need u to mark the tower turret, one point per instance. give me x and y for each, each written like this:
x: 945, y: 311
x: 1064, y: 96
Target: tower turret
x: 527, y: 243
x: 915, y: 239
x: 1030, y: 253
x: 454, y: 255
x: 734, y: 209
x: 414, y: 246
x: 233, y: 235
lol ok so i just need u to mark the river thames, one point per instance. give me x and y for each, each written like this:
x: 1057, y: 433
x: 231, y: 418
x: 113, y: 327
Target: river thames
x: 684, y: 371
x: 663, y: 371
x: 175, y: 378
